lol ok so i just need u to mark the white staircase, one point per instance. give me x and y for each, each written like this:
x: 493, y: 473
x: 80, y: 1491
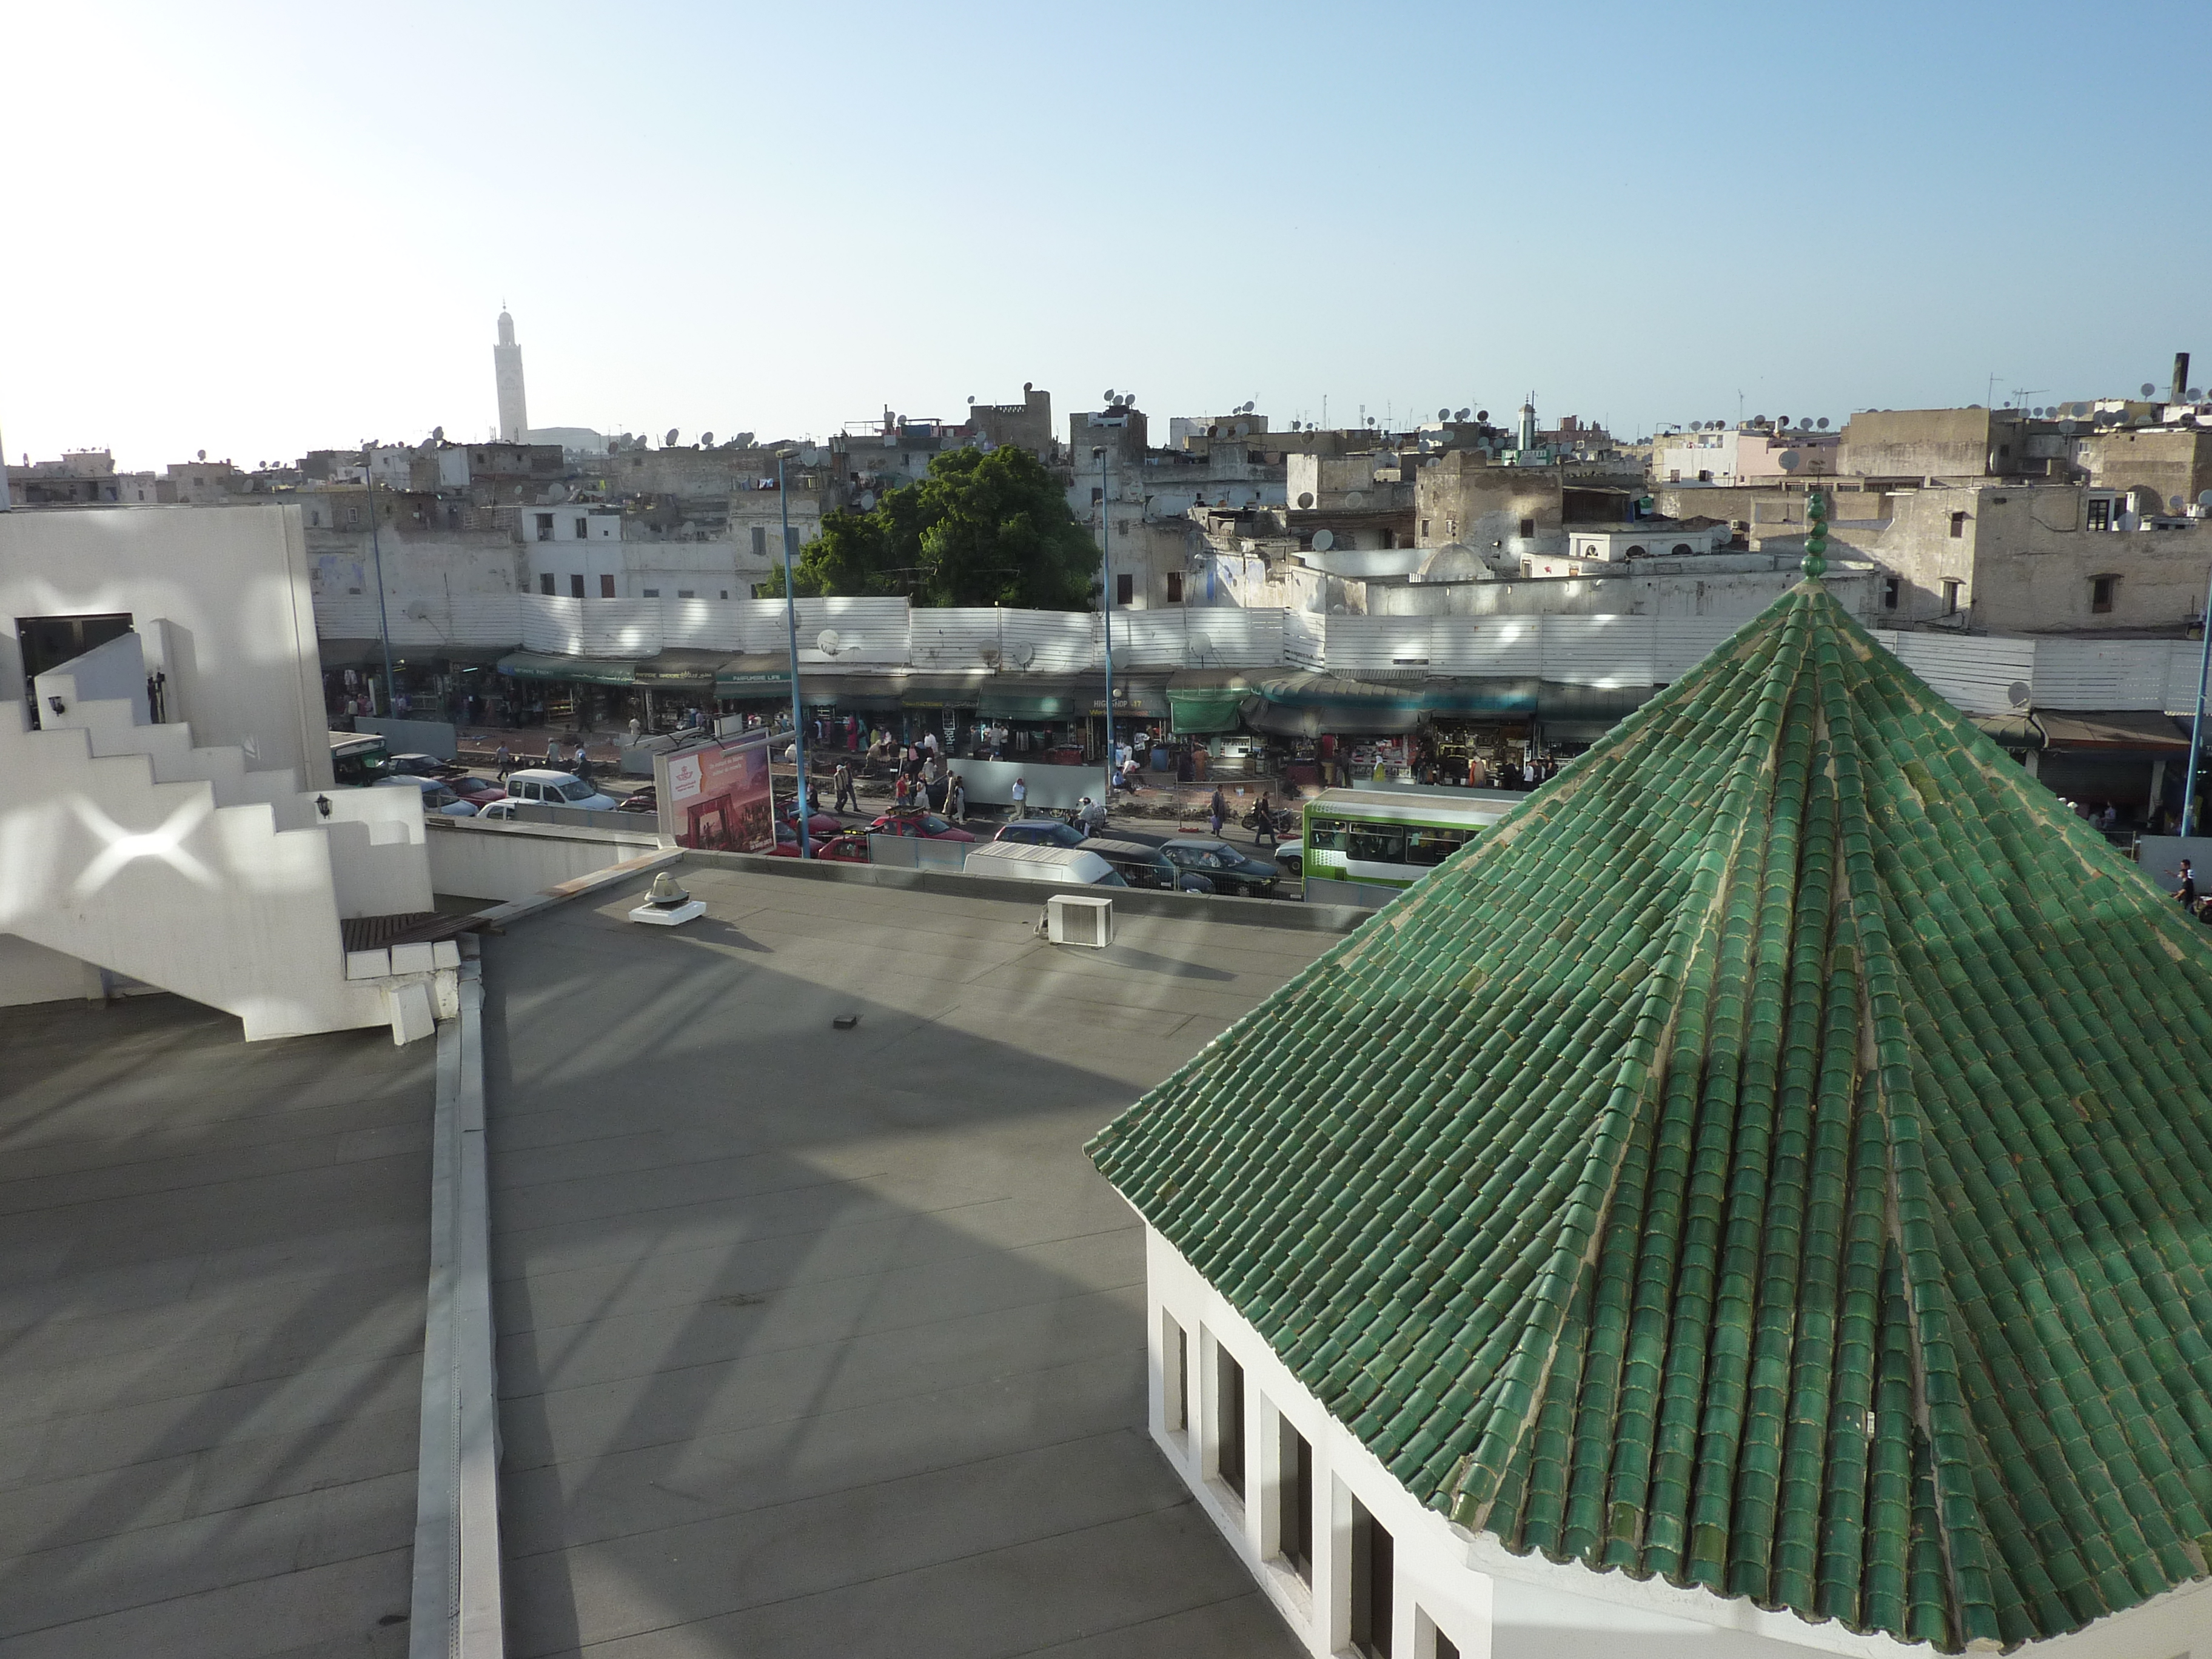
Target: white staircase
x: 124, y: 846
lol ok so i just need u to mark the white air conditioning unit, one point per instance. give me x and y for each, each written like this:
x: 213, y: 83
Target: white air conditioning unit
x: 1077, y: 919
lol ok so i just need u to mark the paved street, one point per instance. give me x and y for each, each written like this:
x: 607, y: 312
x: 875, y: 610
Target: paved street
x: 823, y: 1342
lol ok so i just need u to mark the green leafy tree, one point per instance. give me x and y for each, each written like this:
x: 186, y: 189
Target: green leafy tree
x: 980, y: 529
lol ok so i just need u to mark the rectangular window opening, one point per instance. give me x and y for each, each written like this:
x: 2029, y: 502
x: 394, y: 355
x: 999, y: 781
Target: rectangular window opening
x: 544, y: 526
x: 1175, y: 587
x: 1125, y: 589
x: 545, y: 582
x: 583, y: 528
x: 1175, y: 1376
x: 1229, y: 1421
x: 760, y: 541
x: 606, y: 588
x: 1527, y: 527
x: 687, y: 593
x: 1372, y: 1573
x: 575, y: 587
x: 1950, y: 598
x: 1297, y: 1519
x: 2100, y: 515
x: 2101, y: 590
x: 650, y: 592
x: 1892, y: 589
x: 1957, y: 527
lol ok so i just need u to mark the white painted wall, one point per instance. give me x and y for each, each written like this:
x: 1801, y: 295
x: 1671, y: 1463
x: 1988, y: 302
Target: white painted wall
x: 231, y: 582
x: 31, y: 973
x: 508, y: 861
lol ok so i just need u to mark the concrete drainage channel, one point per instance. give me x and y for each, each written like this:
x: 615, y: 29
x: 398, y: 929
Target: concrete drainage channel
x: 458, y: 1612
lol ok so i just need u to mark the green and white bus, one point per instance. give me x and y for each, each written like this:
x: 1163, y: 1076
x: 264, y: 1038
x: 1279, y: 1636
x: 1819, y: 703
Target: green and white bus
x: 1389, y: 836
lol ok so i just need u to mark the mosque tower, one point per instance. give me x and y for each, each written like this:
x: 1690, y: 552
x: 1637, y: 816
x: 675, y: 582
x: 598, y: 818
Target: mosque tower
x: 506, y: 365
x: 1528, y: 409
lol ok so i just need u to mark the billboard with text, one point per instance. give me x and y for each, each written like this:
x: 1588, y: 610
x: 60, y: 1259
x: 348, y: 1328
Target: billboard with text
x: 716, y: 795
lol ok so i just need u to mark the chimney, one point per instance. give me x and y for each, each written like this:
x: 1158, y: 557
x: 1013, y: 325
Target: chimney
x: 2181, y: 393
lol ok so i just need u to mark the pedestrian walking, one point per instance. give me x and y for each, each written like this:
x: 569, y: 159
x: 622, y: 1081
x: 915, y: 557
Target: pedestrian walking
x: 955, y: 798
x: 1217, y: 810
x: 1021, y: 792
x: 504, y: 760
x: 846, y: 801
x: 2187, y: 892
x: 1263, y: 823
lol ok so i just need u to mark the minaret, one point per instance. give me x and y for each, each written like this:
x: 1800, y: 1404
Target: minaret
x: 1528, y: 410
x: 506, y: 366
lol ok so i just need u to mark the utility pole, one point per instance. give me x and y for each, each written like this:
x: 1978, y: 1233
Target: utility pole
x: 2196, y: 726
x: 1106, y: 603
x: 376, y: 549
x: 791, y: 623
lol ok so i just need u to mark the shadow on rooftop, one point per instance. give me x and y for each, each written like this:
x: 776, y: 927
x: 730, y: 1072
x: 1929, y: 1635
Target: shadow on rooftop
x: 820, y: 1342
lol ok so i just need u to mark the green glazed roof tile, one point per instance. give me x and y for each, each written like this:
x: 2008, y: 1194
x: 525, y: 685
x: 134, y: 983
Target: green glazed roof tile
x: 1817, y: 1208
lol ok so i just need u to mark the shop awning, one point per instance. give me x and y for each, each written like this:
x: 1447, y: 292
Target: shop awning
x: 583, y: 671
x: 754, y: 674
x: 1070, y: 700
x: 1201, y: 709
x: 2120, y: 728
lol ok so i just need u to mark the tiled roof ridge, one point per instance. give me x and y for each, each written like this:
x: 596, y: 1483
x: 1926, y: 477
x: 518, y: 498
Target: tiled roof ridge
x: 1789, y: 1173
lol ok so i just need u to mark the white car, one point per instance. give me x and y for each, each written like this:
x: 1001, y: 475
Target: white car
x: 542, y: 786
x: 436, y: 796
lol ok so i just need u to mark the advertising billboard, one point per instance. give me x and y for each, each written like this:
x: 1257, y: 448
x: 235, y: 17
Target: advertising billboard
x: 716, y: 795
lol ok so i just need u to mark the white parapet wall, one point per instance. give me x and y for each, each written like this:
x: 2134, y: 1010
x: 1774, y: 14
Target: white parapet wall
x: 507, y: 862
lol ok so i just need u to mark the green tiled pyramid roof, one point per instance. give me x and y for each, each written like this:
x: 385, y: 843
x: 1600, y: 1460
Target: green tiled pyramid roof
x: 1778, y: 1156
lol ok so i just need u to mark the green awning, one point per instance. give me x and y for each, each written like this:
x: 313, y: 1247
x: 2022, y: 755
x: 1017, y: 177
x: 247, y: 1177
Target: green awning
x: 583, y: 671
x: 1206, y: 709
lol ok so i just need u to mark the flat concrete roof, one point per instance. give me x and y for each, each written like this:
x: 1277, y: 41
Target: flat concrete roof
x: 212, y: 1266
x: 831, y: 1342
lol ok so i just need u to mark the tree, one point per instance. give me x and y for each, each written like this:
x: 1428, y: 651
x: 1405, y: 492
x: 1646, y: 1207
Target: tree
x: 980, y: 529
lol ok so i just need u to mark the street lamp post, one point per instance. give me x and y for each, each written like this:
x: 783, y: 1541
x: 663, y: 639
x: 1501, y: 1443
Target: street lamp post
x: 790, y: 622
x: 1106, y: 606
x: 2196, y: 726
x: 376, y: 551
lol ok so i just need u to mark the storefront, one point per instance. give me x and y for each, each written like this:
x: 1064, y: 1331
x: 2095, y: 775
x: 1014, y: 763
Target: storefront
x: 572, y: 694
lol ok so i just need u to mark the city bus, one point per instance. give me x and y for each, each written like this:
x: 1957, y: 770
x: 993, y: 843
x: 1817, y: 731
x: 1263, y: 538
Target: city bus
x: 358, y: 758
x: 1388, y: 837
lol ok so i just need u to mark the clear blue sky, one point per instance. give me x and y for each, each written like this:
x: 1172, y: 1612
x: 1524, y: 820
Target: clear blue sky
x: 260, y: 229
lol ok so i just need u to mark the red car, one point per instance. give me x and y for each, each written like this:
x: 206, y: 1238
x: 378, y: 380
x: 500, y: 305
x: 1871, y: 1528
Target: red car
x: 848, y: 848
x: 820, y: 824
x: 912, y: 822
x: 477, y: 791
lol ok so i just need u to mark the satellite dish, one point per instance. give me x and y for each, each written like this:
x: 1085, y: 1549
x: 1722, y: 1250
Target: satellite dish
x: 809, y: 457
x: 2204, y: 498
x: 1323, y: 540
x: 1024, y: 654
x: 705, y: 441
x: 828, y: 644
x: 1790, y: 460
x: 1243, y: 429
x: 2067, y: 428
x: 1443, y: 414
x: 1354, y: 498
x: 437, y: 434
x: 669, y: 443
x: 1250, y: 404
x: 2177, y: 503
x: 1485, y: 415
x: 867, y: 500
x: 419, y: 611
x: 2018, y: 691
x: 2148, y: 389
x: 1781, y: 419
x: 971, y: 397
x: 204, y: 454
x: 2079, y: 409
x: 1306, y: 498
x: 1823, y: 423
x: 1128, y: 400
x: 2196, y: 396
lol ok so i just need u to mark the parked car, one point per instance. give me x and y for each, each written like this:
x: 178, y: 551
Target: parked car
x: 820, y: 824
x: 1147, y: 866
x: 547, y: 787
x: 421, y: 766
x: 849, y: 848
x: 1040, y: 832
x: 1229, y: 868
x: 500, y: 812
x: 479, y: 793
x: 912, y: 822
x: 1065, y: 866
x: 1290, y: 859
x: 647, y: 800
x: 436, y: 796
